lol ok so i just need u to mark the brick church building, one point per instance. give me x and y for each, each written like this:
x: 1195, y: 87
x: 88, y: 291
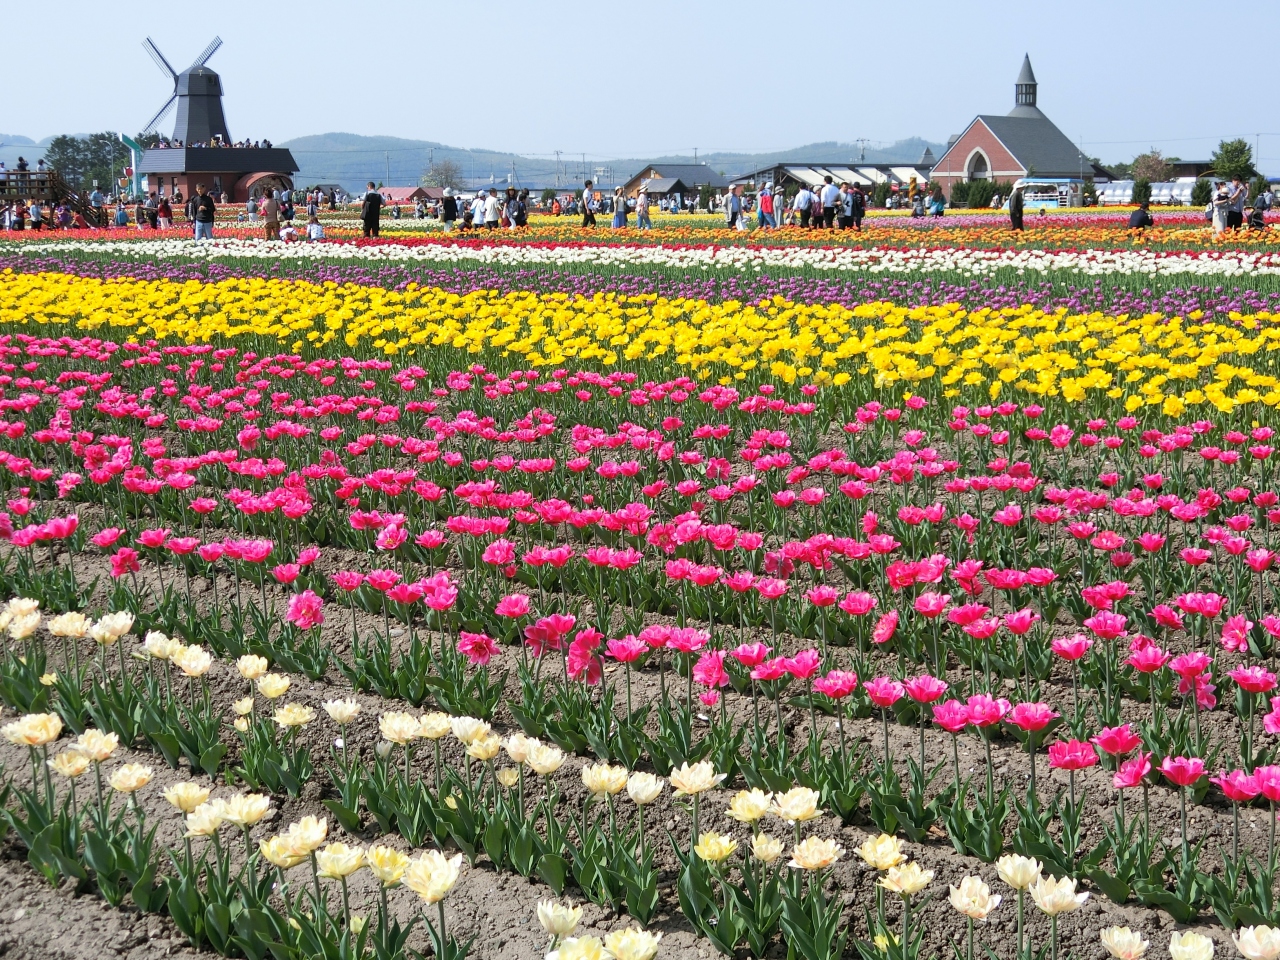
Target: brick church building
x: 1022, y: 143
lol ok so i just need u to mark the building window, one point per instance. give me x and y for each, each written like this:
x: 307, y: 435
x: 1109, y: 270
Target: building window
x: 978, y: 169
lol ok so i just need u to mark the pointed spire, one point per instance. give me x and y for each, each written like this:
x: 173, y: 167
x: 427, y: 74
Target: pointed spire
x: 1026, y: 75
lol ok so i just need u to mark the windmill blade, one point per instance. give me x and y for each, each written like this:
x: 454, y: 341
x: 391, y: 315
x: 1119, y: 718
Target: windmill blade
x: 158, y: 57
x: 160, y: 114
x: 209, y: 51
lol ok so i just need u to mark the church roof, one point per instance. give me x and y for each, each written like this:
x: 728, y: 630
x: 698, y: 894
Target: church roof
x: 1037, y: 143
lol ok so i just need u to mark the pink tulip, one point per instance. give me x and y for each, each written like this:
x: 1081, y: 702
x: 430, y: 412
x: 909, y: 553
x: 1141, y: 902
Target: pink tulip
x: 1116, y: 741
x: 837, y: 684
x: 1031, y: 717
x: 1071, y: 755
x: 983, y: 710
x: 513, y: 605
x: 1184, y: 771
x: 924, y: 688
x: 1132, y: 772
x: 883, y: 691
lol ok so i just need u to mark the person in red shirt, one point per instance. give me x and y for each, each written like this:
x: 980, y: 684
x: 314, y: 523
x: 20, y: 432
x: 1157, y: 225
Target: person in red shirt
x: 765, y: 215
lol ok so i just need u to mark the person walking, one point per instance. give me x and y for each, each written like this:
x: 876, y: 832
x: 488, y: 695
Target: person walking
x: 642, y: 210
x: 492, y: 209
x: 251, y: 208
x: 153, y: 210
x: 271, y: 214
x: 733, y: 208
x: 588, y: 214
x: 122, y: 215
x: 1237, y: 196
x: 371, y: 210
x: 764, y: 209
x: 36, y: 212
x: 1015, y: 209
x: 203, y: 211
x: 164, y: 214
x: 859, y: 207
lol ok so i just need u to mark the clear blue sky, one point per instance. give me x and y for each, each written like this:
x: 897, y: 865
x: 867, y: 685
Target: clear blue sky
x: 663, y: 76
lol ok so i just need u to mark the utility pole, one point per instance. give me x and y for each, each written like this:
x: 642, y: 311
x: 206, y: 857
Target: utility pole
x: 695, y: 154
x: 584, y: 167
x: 557, y: 169
x: 431, y: 158
x: 388, y: 156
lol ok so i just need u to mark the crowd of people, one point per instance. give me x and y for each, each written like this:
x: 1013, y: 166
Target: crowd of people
x: 216, y: 142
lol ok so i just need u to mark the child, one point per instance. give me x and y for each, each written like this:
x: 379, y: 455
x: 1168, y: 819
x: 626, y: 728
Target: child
x: 314, y: 229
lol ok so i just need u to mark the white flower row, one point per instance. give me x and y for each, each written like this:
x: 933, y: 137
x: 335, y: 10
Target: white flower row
x: 876, y: 260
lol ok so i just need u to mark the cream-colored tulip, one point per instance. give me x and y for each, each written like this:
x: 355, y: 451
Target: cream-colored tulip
x: 1190, y: 946
x: 882, y: 852
x: 714, y: 847
x: 797, y: 805
x: 558, y: 920
x: 204, y: 820
x: 689, y: 780
x: 273, y: 685
x: 486, y: 748
x: 765, y: 848
x: 280, y: 852
x: 341, y: 712
x: 308, y: 834
x: 294, y: 715
x: 815, y: 853
x: 186, y: 795
x: 1018, y: 871
x: 644, y: 788
x: 1123, y: 943
x: 632, y: 944
x: 96, y: 745
x: 193, y: 661
x: 22, y: 627
x: 432, y: 875
x: 602, y: 778
x: 242, y: 707
x: 49, y: 679
x: 579, y: 948
x: 469, y: 729
x: 70, y: 764
x: 158, y: 646
x: 34, y: 730
x: 433, y: 726
x: 112, y: 627
x: 243, y: 809
x: 974, y: 898
x: 1057, y: 896
x: 387, y: 864
x: 518, y: 746
x: 130, y: 777
x: 252, y: 666
x: 398, y: 727
x: 749, y: 806
x: 70, y: 625
x: 338, y: 861
x: 508, y: 776
x: 906, y: 880
x: 1258, y: 943
x: 545, y: 759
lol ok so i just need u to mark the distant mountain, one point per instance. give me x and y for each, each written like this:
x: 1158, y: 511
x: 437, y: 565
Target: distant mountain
x: 13, y: 146
x: 351, y: 159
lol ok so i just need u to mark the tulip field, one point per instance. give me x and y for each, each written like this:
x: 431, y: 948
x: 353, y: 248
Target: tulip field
x: 611, y: 595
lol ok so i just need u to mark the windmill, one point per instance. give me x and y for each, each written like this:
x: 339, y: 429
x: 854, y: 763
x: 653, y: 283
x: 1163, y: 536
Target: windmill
x: 198, y: 93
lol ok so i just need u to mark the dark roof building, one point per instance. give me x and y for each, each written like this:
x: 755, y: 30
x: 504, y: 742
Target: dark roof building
x: 692, y: 175
x: 1022, y: 143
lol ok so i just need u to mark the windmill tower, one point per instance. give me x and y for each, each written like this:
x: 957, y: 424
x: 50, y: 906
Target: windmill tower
x: 198, y: 94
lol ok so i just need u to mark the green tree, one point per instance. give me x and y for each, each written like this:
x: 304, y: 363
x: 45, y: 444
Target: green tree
x: 1141, y: 190
x: 1201, y: 192
x: 980, y: 193
x: 1089, y: 196
x: 82, y: 160
x: 1258, y: 186
x: 880, y: 196
x: 547, y: 196
x: 1233, y: 158
x: 959, y: 193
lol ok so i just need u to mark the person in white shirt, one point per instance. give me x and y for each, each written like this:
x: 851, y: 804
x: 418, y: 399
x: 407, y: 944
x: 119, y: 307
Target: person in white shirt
x: 492, y: 209
x: 477, y: 209
x: 803, y: 204
x: 315, y: 231
x: 830, y: 197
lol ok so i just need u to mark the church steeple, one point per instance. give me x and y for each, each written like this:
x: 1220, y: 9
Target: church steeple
x: 1025, y: 93
x: 1025, y: 88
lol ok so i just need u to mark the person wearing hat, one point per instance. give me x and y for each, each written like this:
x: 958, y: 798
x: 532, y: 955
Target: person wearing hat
x: 449, y: 208
x: 642, y: 210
